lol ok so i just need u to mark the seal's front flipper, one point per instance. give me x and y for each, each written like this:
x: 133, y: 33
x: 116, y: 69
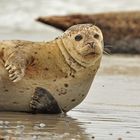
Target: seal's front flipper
x: 43, y: 102
x: 16, y: 65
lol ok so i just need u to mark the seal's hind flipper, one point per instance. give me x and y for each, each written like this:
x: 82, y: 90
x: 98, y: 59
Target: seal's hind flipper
x: 43, y: 102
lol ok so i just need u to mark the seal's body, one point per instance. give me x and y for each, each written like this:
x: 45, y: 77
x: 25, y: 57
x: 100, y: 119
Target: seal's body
x: 55, y: 75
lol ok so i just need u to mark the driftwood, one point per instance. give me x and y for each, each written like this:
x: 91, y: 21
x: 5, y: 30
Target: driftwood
x: 121, y: 30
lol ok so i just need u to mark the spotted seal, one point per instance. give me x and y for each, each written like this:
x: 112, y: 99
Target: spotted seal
x: 49, y: 77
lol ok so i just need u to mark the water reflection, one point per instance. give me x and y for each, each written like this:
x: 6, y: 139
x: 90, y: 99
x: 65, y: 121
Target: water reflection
x: 42, y: 127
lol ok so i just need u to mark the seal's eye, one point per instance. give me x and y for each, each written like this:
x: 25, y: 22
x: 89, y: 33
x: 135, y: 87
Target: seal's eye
x: 96, y: 36
x: 78, y: 37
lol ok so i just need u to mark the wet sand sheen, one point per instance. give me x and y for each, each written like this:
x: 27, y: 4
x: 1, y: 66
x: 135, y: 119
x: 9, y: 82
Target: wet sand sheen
x: 110, y: 111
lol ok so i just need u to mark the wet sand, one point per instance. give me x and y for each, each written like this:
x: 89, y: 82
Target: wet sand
x: 111, y: 110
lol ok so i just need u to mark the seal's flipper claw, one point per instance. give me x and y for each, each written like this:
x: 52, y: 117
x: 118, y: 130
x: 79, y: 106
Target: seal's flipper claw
x: 43, y: 102
x: 15, y: 67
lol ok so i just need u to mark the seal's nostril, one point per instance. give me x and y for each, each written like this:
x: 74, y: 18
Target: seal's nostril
x: 91, y: 44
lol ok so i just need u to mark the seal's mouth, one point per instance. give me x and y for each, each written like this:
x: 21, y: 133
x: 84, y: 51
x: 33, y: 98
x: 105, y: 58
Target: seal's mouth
x: 89, y: 53
x: 92, y: 53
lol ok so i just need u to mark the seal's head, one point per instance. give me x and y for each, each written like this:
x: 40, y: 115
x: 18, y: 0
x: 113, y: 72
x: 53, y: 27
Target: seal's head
x: 84, y: 43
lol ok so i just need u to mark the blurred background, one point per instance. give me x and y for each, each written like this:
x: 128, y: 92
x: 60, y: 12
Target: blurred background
x: 17, y: 17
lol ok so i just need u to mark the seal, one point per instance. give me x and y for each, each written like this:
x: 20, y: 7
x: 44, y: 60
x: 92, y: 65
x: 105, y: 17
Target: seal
x: 49, y: 77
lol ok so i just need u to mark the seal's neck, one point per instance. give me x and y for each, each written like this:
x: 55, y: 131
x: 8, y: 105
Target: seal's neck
x: 68, y: 58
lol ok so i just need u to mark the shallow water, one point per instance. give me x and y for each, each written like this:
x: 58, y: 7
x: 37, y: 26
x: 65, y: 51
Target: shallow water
x: 110, y: 111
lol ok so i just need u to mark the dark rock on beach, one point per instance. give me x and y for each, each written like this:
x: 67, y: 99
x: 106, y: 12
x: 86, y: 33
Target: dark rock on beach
x: 121, y: 30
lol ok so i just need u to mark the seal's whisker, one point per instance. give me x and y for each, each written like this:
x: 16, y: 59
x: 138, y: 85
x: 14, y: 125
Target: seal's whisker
x: 108, y: 46
x: 107, y: 49
x: 106, y: 52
